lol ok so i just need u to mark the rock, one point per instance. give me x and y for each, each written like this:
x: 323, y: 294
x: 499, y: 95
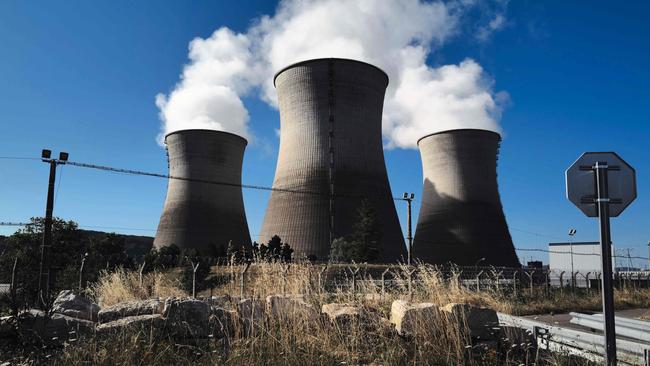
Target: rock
x: 290, y: 306
x: 76, y: 306
x: 137, y: 322
x: 341, y: 313
x: 222, y: 322
x: 7, y: 327
x: 408, y: 318
x: 130, y: 308
x: 251, y: 315
x: 35, y: 325
x: 188, y: 317
x: 482, y: 323
x: 221, y: 301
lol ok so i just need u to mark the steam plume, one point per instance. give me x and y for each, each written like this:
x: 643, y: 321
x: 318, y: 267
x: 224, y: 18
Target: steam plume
x: 397, y: 35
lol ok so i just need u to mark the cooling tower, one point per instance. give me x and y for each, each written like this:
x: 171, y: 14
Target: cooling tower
x: 199, y: 214
x: 331, y: 148
x: 461, y: 219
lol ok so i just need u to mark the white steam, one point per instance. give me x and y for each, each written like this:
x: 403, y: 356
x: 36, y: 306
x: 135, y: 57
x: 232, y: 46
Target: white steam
x: 397, y: 35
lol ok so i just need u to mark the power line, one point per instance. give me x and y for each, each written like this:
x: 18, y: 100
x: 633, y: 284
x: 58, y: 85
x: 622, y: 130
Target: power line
x: 229, y: 184
x: 18, y: 158
x: 574, y: 253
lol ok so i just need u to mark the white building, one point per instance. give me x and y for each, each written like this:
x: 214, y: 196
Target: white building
x: 585, y: 257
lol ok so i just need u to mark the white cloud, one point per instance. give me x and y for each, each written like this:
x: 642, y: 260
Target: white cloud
x: 396, y: 35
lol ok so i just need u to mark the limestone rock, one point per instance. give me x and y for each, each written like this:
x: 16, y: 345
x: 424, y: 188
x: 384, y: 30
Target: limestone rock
x: 341, y: 313
x: 408, y: 317
x: 7, y: 327
x: 222, y: 322
x: 189, y: 317
x: 221, y: 301
x: 136, y: 322
x: 481, y: 322
x: 290, y: 306
x: 76, y: 306
x: 251, y: 315
x: 131, y: 308
x: 36, y: 325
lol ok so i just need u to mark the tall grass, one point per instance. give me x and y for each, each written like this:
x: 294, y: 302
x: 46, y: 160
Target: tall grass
x: 302, y: 339
x: 123, y: 285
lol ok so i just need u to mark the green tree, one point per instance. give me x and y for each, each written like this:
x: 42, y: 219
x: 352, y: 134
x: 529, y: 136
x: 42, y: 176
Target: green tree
x: 363, y: 245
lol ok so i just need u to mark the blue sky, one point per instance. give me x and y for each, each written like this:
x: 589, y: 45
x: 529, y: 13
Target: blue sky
x: 82, y: 77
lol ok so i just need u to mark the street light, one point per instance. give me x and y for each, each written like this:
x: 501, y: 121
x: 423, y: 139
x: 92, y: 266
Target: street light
x: 572, y: 232
x: 479, y: 261
x: 408, y: 198
x: 44, y: 266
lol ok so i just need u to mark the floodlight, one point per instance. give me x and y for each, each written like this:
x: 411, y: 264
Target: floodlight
x: 45, y: 154
x: 63, y: 156
x: 406, y: 195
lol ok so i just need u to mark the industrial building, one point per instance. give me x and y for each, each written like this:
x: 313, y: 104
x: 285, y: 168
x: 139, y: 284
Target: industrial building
x: 461, y: 219
x: 204, y: 207
x: 582, y: 257
x: 331, y: 151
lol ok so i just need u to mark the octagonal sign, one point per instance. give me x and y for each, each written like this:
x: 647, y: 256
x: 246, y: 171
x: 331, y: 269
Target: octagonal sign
x: 581, y: 183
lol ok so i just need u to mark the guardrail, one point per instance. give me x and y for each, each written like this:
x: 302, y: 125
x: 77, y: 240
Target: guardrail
x: 631, y: 328
x: 587, y: 345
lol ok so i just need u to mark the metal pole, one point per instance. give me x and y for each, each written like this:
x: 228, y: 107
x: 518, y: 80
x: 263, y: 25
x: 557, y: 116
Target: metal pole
x: 409, y: 236
x: 44, y: 267
x: 606, y: 258
x: 81, y: 272
x: 194, y: 268
x: 573, y: 284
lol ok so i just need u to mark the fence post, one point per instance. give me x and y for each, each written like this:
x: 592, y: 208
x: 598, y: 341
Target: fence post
x: 514, y: 282
x: 242, y: 280
x: 547, y: 282
x: 588, y: 283
x: 410, y: 277
x: 498, y: 280
x: 320, y: 279
x: 194, y: 268
x: 599, y: 283
x: 478, y: 281
x: 141, y: 272
x: 354, y: 279
x: 383, y: 283
x: 285, y: 271
x: 12, y: 290
x: 562, y: 280
x: 530, y: 280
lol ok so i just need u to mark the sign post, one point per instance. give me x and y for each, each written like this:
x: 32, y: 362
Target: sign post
x: 602, y: 185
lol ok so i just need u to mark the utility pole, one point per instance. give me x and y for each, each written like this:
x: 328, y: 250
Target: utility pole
x: 44, y: 266
x: 409, y: 236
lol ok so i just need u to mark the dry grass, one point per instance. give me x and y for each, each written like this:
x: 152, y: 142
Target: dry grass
x: 122, y: 285
x: 297, y: 339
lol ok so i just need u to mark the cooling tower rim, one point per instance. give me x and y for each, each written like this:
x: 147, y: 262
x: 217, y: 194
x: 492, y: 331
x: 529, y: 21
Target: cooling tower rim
x: 460, y: 130
x: 206, y: 131
x: 299, y: 63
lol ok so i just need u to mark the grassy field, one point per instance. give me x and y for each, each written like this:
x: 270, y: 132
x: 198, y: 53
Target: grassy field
x: 300, y: 340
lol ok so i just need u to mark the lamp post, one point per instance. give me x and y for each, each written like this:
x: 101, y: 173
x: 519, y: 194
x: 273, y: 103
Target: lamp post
x: 409, y: 237
x: 44, y: 267
x: 572, y: 232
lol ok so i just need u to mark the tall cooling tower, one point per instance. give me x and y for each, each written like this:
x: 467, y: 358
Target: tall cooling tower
x: 199, y: 214
x: 461, y: 219
x: 330, y: 146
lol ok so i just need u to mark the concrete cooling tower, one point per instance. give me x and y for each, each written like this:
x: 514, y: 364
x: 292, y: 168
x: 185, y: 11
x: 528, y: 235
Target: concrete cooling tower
x: 331, y: 146
x: 461, y: 219
x: 198, y: 214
